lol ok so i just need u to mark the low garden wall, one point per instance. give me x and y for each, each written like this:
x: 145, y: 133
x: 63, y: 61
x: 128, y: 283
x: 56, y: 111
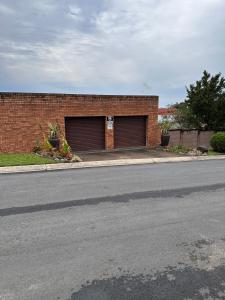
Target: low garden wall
x: 190, y: 138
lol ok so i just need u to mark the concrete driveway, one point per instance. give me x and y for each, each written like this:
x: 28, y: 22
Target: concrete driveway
x: 132, y: 232
x: 126, y: 154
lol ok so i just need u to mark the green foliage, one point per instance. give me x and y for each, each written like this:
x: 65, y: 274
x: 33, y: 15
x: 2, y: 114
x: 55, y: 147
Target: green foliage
x: 46, y: 145
x: 178, y: 149
x: 204, y: 107
x: 20, y: 159
x: 165, y: 125
x: 183, y: 117
x: 213, y: 153
x: 65, y: 149
x: 218, y: 142
x: 54, y: 130
x: 46, y: 149
x: 65, y: 146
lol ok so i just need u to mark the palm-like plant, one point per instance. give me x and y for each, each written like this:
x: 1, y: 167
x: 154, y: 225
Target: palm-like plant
x: 54, y: 130
x: 165, y: 126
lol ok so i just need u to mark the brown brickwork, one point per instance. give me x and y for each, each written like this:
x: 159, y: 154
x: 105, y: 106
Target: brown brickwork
x: 22, y: 113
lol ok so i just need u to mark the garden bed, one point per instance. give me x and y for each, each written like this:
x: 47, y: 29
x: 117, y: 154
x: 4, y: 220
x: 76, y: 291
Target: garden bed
x: 189, y: 151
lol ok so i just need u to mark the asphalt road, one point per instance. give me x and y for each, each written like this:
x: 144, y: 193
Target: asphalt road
x: 134, y: 232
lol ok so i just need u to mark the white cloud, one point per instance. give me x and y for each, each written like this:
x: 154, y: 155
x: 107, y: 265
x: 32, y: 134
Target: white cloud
x: 45, y: 6
x: 4, y: 9
x: 144, y: 46
x: 75, y: 12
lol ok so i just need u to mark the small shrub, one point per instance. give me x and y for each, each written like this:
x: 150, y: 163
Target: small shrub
x: 65, y: 146
x: 48, y: 149
x: 165, y: 125
x: 178, y: 149
x: 218, y: 142
x: 54, y: 130
x: 65, y: 149
x: 47, y: 146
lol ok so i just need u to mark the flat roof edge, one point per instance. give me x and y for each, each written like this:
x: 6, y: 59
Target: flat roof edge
x: 69, y: 94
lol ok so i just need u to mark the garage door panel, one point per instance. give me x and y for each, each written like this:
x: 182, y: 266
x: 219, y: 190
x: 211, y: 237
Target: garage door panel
x: 85, y: 133
x: 130, y: 131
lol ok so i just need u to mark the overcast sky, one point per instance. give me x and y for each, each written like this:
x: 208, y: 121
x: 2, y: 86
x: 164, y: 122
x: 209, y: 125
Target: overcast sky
x: 110, y: 46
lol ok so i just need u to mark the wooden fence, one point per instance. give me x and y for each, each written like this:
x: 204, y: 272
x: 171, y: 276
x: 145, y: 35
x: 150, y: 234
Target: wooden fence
x: 190, y: 138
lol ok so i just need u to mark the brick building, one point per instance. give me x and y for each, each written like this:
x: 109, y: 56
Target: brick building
x: 89, y: 122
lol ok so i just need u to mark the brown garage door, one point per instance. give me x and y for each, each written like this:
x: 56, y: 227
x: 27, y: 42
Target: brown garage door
x: 130, y: 131
x: 85, y: 133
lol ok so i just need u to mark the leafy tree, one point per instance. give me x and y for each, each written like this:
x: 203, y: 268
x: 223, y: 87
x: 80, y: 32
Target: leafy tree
x: 165, y: 124
x: 183, y: 117
x: 204, y: 107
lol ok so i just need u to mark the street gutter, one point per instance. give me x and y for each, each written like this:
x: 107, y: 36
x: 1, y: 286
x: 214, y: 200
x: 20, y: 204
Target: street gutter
x: 106, y: 163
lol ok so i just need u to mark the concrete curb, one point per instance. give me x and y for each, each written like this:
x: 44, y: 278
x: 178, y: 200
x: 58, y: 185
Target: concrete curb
x: 106, y: 163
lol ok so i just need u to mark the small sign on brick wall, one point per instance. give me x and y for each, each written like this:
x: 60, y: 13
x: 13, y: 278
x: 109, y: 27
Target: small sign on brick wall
x: 110, y: 121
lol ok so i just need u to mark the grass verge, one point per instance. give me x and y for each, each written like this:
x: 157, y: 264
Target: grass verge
x: 22, y: 159
x: 211, y: 152
x: 185, y: 150
x: 178, y: 149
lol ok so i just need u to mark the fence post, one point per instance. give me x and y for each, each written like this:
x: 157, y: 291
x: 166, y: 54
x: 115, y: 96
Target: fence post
x: 181, y: 137
x: 198, y: 138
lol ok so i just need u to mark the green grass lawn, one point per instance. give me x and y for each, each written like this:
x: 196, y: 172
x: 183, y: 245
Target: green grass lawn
x: 22, y: 159
x: 211, y: 152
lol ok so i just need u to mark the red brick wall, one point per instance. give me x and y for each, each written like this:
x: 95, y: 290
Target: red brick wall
x: 22, y: 113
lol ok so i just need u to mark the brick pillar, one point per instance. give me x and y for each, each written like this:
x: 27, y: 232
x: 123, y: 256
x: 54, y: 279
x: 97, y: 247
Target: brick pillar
x: 153, y: 131
x: 109, y: 136
x: 153, y: 134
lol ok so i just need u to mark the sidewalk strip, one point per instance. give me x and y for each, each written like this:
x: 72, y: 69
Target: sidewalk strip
x: 106, y: 163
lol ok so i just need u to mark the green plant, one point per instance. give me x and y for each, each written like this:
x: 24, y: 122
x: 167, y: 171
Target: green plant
x: 165, y: 125
x: 218, y: 142
x: 204, y: 105
x: 213, y: 153
x: 20, y: 159
x: 178, y: 149
x: 47, y: 146
x: 65, y: 148
x: 183, y: 116
x: 54, y: 130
